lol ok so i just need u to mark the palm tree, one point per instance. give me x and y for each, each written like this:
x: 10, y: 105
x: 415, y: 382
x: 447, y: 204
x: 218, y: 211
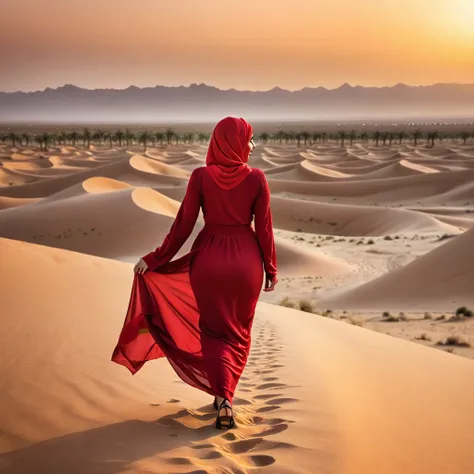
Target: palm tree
x: 264, y: 137
x: 160, y: 136
x: 145, y: 137
x: 401, y: 137
x: 384, y: 138
x: 119, y: 136
x: 169, y: 133
x: 129, y: 136
x: 464, y: 136
x: 298, y: 137
x: 342, y: 136
x: 364, y: 136
x: 376, y: 137
x: 432, y: 136
x: 44, y: 140
x: 416, y: 136
x: 188, y: 137
x: 26, y: 137
x: 13, y: 137
x: 306, y: 135
x: 87, y: 137
x: 280, y: 135
x: 352, y: 136
x: 317, y: 136
x: 62, y: 138
x: 203, y: 137
x: 99, y: 135
x: 391, y: 136
x: 39, y: 140
x: 177, y: 137
x: 73, y: 137
x: 324, y: 136
x: 108, y: 135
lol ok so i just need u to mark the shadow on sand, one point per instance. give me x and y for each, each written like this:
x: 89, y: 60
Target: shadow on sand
x: 112, y: 448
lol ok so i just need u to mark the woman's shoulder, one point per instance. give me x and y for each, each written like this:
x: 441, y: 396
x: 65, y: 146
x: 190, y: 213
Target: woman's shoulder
x: 259, y: 175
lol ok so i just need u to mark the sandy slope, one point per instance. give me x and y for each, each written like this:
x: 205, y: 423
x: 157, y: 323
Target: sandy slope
x: 441, y: 280
x: 316, y: 392
x: 362, y: 228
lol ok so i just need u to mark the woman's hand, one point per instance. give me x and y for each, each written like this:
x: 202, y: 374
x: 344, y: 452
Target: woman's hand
x: 270, y: 283
x: 140, y: 267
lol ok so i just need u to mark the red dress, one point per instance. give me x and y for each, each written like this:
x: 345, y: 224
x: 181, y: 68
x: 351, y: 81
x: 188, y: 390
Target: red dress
x: 198, y: 310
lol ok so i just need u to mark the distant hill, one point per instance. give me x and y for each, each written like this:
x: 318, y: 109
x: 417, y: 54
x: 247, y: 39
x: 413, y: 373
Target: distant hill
x: 200, y: 102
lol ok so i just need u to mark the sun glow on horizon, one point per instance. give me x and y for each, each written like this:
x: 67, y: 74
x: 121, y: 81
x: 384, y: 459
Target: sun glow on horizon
x: 255, y: 45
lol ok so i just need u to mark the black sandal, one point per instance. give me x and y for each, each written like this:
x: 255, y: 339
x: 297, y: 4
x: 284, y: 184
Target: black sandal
x: 225, y: 421
x: 215, y: 403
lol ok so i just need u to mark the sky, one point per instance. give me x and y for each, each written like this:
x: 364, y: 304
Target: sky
x: 240, y: 44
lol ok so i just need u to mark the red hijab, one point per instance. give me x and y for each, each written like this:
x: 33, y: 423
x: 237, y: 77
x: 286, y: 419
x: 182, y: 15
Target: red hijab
x: 225, y: 158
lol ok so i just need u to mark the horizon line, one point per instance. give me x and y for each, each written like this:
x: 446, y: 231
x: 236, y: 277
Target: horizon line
x: 194, y: 84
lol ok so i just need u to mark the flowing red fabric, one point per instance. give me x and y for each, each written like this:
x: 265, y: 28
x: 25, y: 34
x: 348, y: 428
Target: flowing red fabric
x: 198, y: 310
x: 228, y: 152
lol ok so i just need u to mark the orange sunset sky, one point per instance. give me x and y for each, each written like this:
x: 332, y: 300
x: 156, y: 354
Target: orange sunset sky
x: 246, y: 44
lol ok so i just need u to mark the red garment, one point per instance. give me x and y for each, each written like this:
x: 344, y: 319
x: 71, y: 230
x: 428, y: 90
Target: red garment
x: 198, y: 310
x: 228, y: 152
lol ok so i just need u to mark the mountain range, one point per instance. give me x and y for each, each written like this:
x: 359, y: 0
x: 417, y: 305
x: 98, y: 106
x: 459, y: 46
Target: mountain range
x: 201, y: 103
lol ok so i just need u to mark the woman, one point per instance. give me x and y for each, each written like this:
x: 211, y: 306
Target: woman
x: 198, y: 310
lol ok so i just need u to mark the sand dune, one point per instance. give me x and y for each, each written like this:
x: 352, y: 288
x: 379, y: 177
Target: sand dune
x: 296, y: 261
x: 126, y: 169
x: 433, y: 188
x: 124, y: 223
x: 71, y: 410
x: 7, y: 202
x: 347, y: 220
x: 318, y: 395
x: 112, y: 219
x: 441, y: 280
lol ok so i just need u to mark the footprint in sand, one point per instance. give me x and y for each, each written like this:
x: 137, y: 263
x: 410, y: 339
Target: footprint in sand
x: 266, y: 386
x: 267, y: 409
x: 278, y: 401
x: 260, y: 460
x: 266, y: 396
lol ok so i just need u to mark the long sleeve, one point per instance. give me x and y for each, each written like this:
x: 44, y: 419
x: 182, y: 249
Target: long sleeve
x: 182, y: 226
x: 264, y: 229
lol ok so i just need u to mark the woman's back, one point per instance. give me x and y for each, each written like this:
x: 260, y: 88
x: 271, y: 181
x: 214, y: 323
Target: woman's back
x: 230, y: 207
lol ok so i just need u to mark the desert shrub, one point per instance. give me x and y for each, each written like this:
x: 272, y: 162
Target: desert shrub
x: 306, y: 306
x: 402, y: 316
x: 355, y: 320
x: 463, y: 311
x: 444, y: 237
x: 327, y: 313
x: 440, y: 318
x: 454, y: 341
x: 423, y: 337
x: 428, y: 316
x: 390, y: 317
x: 388, y: 237
x: 370, y: 242
x: 287, y: 303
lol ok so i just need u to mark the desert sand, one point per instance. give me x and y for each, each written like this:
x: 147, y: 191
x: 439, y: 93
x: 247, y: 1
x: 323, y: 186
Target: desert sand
x: 360, y: 230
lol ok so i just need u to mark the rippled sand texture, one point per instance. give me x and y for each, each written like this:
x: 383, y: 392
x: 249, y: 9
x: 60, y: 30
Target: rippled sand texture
x: 359, y: 230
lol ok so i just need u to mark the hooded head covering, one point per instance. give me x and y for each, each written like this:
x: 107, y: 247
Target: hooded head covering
x: 227, y: 155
